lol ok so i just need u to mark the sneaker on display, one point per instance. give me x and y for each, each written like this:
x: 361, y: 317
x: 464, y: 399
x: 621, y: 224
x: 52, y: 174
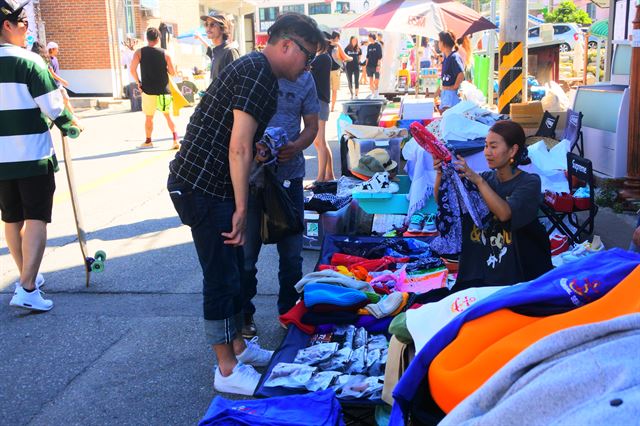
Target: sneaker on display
x: 39, y: 283
x: 559, y: 244
x: 254, y: 354
x: 30, y: 300
x: 243, y: 380
x: 416, y: 222
x: 429, y: 223
x: 379, y: 182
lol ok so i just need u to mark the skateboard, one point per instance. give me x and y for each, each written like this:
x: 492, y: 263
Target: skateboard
x: 95, y: 263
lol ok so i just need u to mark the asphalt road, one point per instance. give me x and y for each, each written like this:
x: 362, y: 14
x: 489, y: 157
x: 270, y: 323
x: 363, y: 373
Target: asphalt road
x: 130, y: 348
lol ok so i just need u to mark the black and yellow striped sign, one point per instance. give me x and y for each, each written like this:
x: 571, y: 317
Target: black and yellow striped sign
x: 510, y: 75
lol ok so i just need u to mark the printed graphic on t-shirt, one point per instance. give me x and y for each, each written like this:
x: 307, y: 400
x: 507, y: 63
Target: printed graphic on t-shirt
x: 496, y: 239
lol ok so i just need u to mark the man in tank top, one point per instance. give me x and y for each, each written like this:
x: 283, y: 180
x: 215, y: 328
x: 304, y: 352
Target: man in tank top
x: 155, y: 68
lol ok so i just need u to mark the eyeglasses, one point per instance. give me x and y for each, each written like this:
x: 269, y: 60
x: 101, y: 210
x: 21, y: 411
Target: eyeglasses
x: 23, y: 21
x: 310, y: 56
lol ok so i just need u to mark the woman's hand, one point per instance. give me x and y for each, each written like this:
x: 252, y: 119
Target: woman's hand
x: 464, y: 170
x: 437, y: 165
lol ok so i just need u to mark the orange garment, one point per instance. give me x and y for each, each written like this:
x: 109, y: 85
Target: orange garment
x: 486, y: 344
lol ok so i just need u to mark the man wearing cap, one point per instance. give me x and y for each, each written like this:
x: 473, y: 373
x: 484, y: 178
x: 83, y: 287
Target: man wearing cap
x: 155, y: 67
x: 27, y: 159
x: 222, y: 53
x: 209, y: 185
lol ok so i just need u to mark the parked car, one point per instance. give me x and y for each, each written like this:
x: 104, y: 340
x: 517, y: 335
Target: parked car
x: 593, y: 39
x: 568, y: 33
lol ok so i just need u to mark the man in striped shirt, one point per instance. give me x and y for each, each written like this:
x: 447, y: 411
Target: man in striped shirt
x: 27, y: 159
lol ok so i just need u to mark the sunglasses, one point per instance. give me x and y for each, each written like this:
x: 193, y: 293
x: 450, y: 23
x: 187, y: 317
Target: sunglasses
x: 23, y: 21
x: 211, y: 24
x: 310, y: 56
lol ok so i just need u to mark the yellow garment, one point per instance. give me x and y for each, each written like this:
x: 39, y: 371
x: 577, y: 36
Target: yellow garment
x: 344, y: 271
x: 179, y: 101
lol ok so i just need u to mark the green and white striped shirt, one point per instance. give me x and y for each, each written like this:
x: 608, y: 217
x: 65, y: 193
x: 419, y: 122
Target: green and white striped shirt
x: 28, y: 93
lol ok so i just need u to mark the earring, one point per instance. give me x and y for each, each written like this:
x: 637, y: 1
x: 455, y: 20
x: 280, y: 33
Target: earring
x: 511, y: 161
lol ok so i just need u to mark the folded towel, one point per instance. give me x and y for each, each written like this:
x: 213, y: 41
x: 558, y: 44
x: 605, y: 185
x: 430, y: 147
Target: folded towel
x: 319, y: 293
x: 333, y: 278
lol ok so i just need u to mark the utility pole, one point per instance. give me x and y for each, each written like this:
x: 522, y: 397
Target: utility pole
x: 512, y: 71
x: 631, y: 189
x: 491, y: 51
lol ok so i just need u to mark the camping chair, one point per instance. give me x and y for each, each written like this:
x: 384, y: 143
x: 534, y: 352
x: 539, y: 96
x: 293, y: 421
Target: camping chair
x: 548, y: 125
x: 573, y: 131
x: 579, y: 173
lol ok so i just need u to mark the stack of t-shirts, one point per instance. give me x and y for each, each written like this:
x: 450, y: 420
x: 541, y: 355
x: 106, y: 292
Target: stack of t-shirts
x: 330, y: 304
x: 478, y: 341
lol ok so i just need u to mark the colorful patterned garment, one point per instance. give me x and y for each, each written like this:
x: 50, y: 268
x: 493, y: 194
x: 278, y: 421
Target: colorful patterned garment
x: 273, y: 139
x: 456, y: 197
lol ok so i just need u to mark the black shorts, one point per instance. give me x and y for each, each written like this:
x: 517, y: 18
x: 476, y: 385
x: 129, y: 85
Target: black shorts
x: 27, y: 198
x: 371, y: 72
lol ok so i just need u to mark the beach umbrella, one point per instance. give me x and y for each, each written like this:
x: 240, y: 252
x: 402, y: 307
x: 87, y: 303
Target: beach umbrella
x: 423, y: 18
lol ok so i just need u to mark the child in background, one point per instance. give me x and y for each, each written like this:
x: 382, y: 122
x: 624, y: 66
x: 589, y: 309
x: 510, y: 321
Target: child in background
x: 54, y: 69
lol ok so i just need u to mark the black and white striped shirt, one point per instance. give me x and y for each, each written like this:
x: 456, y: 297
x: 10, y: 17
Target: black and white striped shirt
x: 247, y: 84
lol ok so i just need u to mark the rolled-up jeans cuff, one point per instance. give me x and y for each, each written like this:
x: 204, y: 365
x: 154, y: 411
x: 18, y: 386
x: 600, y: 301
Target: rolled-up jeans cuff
x: 222, y: 332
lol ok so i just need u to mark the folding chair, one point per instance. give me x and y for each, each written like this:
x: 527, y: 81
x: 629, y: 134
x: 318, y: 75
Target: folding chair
x: 548, y: 125
x: 573, y: 131
x: 582, y: 170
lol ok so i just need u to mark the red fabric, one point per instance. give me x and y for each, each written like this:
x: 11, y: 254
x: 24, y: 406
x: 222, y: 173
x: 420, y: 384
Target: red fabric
x: 338, y: 259
x: 326, y: 268
x: 429, y: 142
x: 382, y: 289
x: 294, y: 316
x: 381, y: 264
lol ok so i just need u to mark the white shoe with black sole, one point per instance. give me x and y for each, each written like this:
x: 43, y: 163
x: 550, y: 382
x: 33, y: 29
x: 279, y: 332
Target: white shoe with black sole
x: 30, y: 300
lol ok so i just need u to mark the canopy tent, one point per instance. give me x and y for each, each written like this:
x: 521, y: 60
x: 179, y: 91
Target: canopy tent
x: 423, y: 18
x: 600, y: 28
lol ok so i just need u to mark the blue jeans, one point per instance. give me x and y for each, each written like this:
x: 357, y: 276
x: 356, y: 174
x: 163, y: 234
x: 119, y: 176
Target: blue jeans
x: 208, y: 218
x: 289, y: 253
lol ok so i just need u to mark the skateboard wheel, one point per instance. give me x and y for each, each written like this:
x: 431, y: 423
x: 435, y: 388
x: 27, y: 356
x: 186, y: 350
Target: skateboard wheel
x: 97, y: 266
x: 73, y: 132
x: 100, y: 255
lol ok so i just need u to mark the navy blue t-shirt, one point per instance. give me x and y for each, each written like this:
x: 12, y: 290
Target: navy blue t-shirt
x: 451, y: 67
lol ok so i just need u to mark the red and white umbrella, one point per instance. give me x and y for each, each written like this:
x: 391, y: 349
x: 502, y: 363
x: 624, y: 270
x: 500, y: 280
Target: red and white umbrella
x: 423, y: 17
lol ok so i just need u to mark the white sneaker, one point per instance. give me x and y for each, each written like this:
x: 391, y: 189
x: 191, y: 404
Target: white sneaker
x: 379, y: 182
x: 33, y: 301
x: 254, y: 354
x: 242, y: 381
x: 39, y: 283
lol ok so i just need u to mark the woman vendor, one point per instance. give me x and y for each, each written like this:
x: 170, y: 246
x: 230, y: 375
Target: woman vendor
x: 452, y: 73
x: 513, y: 246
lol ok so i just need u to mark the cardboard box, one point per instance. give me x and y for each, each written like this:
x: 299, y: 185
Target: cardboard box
x: 416, y: 109
x: 527, y: 114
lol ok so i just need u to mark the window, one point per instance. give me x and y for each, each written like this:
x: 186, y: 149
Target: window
x: 534, y: 32
x: 591, y: 10
x: 128, y: 17
x: 268, y: 13
x: 560, y: 29
x: 297, y: 8
x: 343, y: 7
x: 319, y: 8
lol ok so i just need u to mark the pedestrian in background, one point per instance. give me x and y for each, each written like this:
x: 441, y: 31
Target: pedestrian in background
x: 374, y: 56
x: 363, y: 63
x: 353, y: 67
x: 452, y: 73
x: 338, y: 58
x: 54, y: 68
x: 155, y: 67
x: 222, y: 53
x: 321, y: 71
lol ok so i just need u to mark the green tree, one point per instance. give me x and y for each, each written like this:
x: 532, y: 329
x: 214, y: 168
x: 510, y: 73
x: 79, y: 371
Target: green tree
x: 568, y: 12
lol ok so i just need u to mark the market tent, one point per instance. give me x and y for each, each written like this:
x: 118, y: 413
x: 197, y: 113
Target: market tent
x: 423, y: 17
x: 600, y: 28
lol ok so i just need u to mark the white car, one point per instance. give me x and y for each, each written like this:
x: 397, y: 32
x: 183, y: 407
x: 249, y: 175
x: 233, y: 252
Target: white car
x: 568, y: 33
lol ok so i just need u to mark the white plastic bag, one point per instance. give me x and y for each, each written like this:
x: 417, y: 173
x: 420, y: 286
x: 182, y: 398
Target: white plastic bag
x: 555, y: 99
x: 471, y: 93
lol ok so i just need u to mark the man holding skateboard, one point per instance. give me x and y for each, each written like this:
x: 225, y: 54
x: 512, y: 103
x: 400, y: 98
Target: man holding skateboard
x: 155, y: 68
x: 27, y: 159
x: 209, y: 185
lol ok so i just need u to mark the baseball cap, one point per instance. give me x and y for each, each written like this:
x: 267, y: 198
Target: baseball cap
x: 11, y: 8
x: 52, y: 45
x: 216, y: 17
